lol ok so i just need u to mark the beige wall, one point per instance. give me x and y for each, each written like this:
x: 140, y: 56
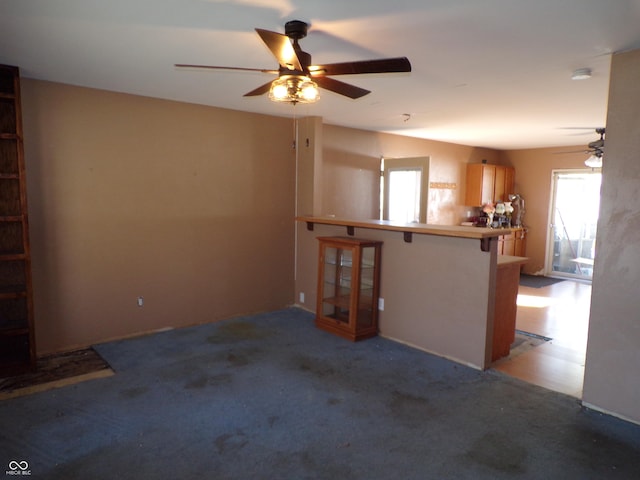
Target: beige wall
x: 351, y: 169
x: 612, y: 382
x: 533, y: 181
x: 309, y: 166
x: 190, y: 207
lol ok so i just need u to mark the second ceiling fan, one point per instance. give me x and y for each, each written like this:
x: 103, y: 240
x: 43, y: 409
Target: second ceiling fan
x: 298, y: 79
x: 596, y: 147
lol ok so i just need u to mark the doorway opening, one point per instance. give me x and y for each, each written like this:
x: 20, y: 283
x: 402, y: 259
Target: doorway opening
x: 560, y: 311
x: 573, y: 219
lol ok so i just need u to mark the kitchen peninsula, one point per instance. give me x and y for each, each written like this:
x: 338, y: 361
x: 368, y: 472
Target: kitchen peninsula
x: 438, y: 282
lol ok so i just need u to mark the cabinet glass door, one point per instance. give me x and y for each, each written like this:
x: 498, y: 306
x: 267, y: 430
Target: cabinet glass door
x: 336, y: 291
x: 365, y: 302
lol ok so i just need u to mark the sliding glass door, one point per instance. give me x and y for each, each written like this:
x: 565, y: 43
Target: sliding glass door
x: 575, y: 204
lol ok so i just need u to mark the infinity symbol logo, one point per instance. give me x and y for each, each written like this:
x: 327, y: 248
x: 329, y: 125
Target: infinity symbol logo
x: 23, y: 465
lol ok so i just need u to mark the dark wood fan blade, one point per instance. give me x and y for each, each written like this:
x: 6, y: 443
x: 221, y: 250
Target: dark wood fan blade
x: 282, y: 49
x: 342, y: 88
x: 572, y: 151
x: 217, y: 67
x: 261, y: 90
x: 384, y: 65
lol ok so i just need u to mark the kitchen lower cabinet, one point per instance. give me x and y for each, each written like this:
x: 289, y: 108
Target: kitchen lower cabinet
x: 348, y: 287
x: 506, y: 244
x: 513, y: 242
x: 504, y: 320
x: 520, y: 243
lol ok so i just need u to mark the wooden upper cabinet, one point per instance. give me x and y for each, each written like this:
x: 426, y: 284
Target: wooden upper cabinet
x: 509, y: 181
x: 499, y: 186
x: 480, y: 183
x: 488, y: 184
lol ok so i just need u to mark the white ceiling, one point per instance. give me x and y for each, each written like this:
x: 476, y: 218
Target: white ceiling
x: 494, y: 73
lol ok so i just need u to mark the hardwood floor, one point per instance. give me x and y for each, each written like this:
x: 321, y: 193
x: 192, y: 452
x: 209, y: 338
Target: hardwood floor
x: 560, y: 312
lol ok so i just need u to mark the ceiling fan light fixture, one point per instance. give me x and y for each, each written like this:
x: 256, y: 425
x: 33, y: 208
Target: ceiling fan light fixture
x: 294, y: 89
x: 278, y: 91
x: 594, y: 161
x: 581, y: 74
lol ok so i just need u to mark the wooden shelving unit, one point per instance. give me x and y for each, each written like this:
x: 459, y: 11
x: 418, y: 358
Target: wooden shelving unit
x: 17, y: 339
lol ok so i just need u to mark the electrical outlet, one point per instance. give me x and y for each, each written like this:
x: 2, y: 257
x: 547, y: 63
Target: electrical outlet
x: 140, y: 301
x: 381, y: 304
x: 301, y: 297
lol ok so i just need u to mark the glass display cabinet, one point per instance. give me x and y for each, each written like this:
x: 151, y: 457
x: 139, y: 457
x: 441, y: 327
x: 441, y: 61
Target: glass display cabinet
x: 348, y: 287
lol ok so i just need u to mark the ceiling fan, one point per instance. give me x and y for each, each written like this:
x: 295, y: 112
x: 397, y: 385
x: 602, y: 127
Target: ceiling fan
x: 595, y: 149
x: 298, y: 80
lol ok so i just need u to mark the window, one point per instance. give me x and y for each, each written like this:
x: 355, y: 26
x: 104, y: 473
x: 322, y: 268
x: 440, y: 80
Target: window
x: 405, y: 188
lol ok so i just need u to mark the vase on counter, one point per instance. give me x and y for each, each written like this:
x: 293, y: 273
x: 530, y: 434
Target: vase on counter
x: 508, y: 210
x: 489, y: 210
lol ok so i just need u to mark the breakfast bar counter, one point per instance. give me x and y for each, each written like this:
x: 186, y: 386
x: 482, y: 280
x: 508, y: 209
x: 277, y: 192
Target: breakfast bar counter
x: 437, y: 283
x: 418, y: 228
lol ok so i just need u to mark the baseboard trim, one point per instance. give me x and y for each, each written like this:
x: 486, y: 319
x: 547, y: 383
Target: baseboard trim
x: 591, y: 406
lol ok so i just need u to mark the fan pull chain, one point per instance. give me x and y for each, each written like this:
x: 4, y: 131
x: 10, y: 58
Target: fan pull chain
x: 295, y: 128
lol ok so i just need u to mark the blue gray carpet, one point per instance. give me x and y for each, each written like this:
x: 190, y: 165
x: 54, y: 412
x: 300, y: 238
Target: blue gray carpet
x: 271, y: 397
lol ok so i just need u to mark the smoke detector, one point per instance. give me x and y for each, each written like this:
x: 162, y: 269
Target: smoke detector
x: 581, y: 74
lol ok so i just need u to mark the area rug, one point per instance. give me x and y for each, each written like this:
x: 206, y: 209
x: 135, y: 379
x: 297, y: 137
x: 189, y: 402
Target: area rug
x: 524, y: 342
x: 55, y: 371
x: 537, y: 281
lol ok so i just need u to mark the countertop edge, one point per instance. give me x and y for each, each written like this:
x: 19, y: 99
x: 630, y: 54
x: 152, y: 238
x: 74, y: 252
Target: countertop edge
x: 504, y: 260
x: 418, y: 228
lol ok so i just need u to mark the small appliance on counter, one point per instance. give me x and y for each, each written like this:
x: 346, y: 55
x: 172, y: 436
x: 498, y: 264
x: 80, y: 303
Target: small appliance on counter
x: 517, y: 203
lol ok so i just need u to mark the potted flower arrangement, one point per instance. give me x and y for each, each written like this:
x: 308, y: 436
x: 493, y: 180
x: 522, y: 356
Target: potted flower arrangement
x: 489, y: 209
